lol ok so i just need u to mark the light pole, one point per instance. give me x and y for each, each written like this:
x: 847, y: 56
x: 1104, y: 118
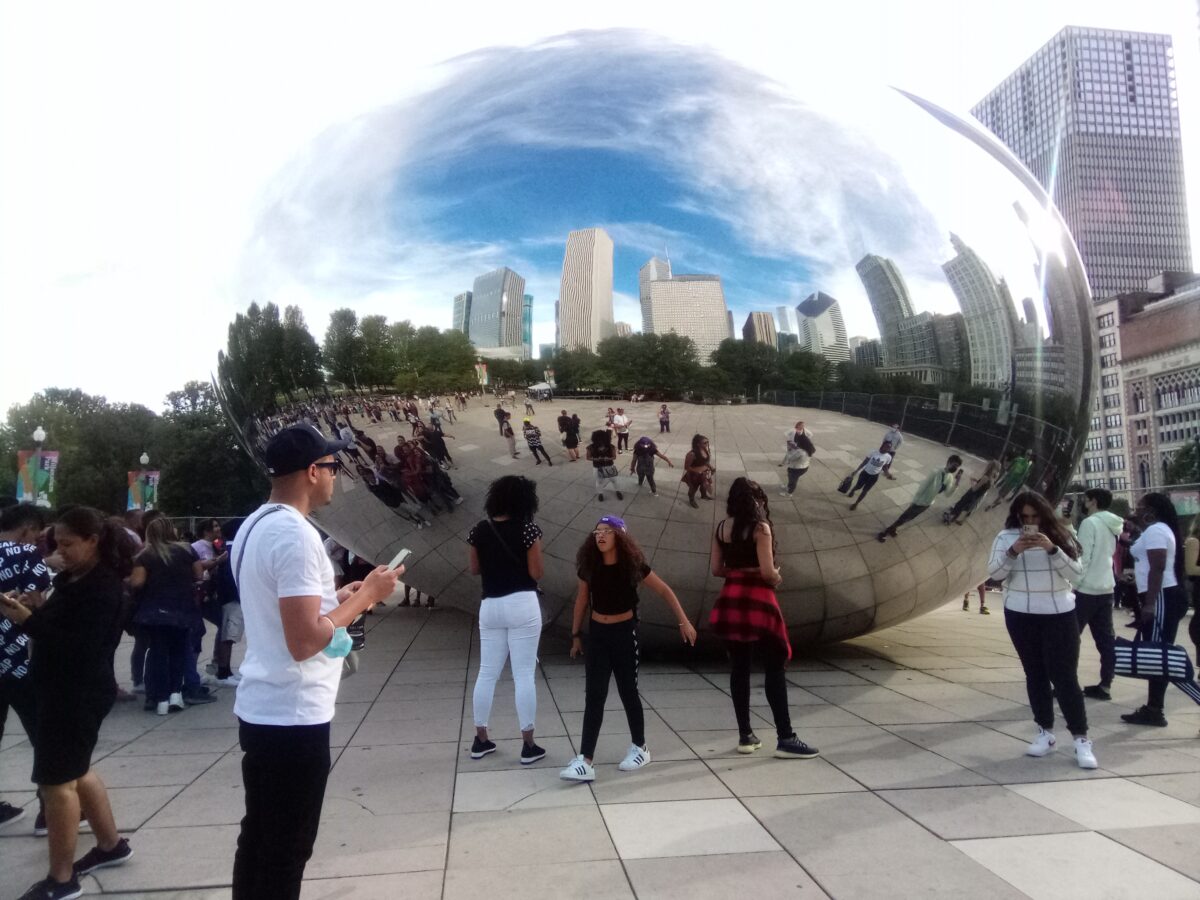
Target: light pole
x: 143, y: 460
x: 39, y: 438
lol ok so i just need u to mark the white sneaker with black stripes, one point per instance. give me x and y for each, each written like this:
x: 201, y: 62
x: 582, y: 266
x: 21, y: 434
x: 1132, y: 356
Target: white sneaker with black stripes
x: 579, y: 769
x: 635, y: 758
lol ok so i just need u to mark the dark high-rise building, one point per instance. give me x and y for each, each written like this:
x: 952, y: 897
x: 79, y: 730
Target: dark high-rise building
x: 462, y: 313
x: 1093, y: 115
x: 759, y: 328
x: 497, y: 309
x: 869, y: 353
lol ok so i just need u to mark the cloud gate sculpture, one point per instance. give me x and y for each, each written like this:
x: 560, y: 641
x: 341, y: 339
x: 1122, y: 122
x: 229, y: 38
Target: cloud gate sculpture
x: 874, y: 227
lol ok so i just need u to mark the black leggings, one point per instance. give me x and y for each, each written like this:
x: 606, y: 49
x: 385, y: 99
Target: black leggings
x: 865, y: 481
x: 1048, y: 646
x: 611, y: 650
x: 741, y: 655
x: 535, y: 449
x: 623, y: 441
x: 647, y: 475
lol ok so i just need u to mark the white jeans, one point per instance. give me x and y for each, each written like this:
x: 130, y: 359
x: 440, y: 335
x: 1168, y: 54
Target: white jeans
x: 508, y: 626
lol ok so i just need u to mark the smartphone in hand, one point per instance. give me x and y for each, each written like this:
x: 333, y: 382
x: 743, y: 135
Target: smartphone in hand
x: 399, y: 558
x: 1029, y: 531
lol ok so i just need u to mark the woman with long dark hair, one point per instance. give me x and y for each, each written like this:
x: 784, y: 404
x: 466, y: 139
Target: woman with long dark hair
x: 1159, y: 577
x: 75, y: 633
x: 611, y: 566
x: 698, y: 470
x: 506, y: 550
x: 747, y: 617
x: 603, y: 456
x: 164, y: 578
x: 1037, y: 558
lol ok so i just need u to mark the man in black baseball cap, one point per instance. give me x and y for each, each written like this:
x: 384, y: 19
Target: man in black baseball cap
x: 296, y: 448
x: 287, y: 695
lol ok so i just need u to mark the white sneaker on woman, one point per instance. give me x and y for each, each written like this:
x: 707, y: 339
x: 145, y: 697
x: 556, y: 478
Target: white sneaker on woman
x: 635, y: 758
x: 1042, y: 745
x: 579, y: 769
x: 1084, y: 755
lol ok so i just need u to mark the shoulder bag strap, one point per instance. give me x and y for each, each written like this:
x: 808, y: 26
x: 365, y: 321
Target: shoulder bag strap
x: 237, y: 570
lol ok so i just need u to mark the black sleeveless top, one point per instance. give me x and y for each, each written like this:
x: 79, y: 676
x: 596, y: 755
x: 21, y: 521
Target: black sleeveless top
x: 739, y: 553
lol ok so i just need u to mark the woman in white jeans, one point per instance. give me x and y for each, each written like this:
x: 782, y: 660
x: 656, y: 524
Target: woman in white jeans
x: 506, y: 550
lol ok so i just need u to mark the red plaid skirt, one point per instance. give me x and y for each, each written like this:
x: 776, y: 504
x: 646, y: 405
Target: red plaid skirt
x: 746, y: 610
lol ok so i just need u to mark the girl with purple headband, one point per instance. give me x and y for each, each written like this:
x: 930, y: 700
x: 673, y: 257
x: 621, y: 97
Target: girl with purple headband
x: 610, y: 566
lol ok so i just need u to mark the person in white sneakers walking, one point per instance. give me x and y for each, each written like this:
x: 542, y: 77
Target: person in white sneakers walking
x: 1038, y: 558
x: 611, y: 566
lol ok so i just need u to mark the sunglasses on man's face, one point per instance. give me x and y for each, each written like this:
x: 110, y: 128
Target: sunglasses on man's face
x: 331, y: 466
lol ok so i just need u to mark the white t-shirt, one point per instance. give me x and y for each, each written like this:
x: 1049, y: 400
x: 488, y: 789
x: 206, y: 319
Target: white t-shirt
x: 876, y: 461
x: 621, y: 423
x: 1157, y: 537
x: 283, y: 557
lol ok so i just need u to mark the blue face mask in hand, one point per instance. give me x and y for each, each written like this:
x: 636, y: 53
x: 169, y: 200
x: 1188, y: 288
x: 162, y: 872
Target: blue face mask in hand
x: 339, y: 645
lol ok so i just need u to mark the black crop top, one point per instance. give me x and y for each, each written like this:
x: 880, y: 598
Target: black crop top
x: 612, y: 594
x: 740, y: 553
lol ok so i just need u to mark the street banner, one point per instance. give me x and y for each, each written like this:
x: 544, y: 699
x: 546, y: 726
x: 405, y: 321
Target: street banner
x: 35, y: 477
x: 143, y: 490
x: 481, y: 373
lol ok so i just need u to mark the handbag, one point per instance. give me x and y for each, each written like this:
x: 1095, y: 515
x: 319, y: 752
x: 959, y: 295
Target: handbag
x: 1154, y: 658
x: 844, y: 487
x: 608, y: 471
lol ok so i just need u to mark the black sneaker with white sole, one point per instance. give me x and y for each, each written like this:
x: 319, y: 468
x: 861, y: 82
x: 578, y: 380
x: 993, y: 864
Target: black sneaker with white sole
x: 102, y: 859
x: 10, y: 813
x: 480, y: 749
x: 794, y: 748
x: 49, y: 889
x: 531, y: 753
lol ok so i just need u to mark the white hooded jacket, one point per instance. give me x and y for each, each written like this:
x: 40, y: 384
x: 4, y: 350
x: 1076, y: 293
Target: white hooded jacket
x: 1098, y: 535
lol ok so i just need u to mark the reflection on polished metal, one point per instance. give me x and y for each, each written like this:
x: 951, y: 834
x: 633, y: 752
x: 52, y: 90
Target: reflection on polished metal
x: 922, y: 226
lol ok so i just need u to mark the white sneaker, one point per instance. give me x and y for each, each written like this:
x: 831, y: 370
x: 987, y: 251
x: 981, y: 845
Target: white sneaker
x: 175, y: 703
x: 232, y: 681
x: 162, y: 708
x: 1042, y: 745
x: 579, y: 769
x: 635, y: 758
x: 1084, y: 755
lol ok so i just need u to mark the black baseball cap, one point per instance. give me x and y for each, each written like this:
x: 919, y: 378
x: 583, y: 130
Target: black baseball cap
x: 296, y: 448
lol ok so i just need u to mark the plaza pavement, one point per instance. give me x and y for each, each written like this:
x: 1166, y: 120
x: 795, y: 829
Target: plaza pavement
x: 921, y: 789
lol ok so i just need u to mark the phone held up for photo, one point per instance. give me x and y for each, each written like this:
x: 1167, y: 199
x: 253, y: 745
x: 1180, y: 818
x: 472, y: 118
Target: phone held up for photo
x: 1029, y: 531
x: 399, y: 558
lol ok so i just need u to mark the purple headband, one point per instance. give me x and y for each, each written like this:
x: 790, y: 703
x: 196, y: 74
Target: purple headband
x: 615, y: 521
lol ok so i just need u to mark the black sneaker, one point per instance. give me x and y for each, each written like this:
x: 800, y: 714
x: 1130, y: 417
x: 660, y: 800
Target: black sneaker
x: 41, y: 829
x: 198, y: 696
x: 530, y: 753
x: 1097, y: 692
x: 620, y: 496
x: 429, y: 603
x: 748, y: 743
x: 794, y: 748
x: 102, y: 859
x: 480, y: 749
x: 49, y: 889
x: 1146, y: 715
x: 10, y: 813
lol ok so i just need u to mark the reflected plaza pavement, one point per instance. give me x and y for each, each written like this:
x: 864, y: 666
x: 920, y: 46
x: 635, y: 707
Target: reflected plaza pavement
x: 921, y: 788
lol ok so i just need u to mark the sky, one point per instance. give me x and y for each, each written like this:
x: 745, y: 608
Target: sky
x: 165, y: 164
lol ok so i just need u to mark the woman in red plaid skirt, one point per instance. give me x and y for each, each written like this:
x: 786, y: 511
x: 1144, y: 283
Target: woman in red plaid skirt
x: 746, y: 614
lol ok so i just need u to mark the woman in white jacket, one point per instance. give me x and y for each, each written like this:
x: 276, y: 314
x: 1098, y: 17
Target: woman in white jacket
x: 1037, y: 559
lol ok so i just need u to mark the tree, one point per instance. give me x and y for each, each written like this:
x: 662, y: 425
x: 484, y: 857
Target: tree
x: 576, y: 370
x: 301, y: 366
x: 749, y: 364
x: 804, y: 371
x: 1184, y: 467
x: 342, y: 351
x: 378, y: 361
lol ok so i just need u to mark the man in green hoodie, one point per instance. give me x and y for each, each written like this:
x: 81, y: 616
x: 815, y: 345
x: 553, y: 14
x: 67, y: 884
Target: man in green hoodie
x: 1094, y: 591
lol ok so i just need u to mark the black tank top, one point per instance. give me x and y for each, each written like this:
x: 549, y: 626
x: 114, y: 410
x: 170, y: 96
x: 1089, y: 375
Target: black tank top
x: 739, y: 553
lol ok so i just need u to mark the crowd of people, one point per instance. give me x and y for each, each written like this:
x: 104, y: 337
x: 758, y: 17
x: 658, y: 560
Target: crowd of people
x: 297, y: 600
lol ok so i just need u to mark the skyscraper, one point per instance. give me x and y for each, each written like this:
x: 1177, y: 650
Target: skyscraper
x: 527, y: 326
x: 988, y: 312
x: 869, y: 352
x: 760, y: 329
x: 461, y: 320
x: 657, y: 269
x: 822, y: 330
x: 890, y: 302
x: 786, y: 317
x: 623, y: 329
x: 497, y: 309
x: 1094, y: 116
x: 585, y: 311
x: 692, y: 306
x: 729, y: 332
